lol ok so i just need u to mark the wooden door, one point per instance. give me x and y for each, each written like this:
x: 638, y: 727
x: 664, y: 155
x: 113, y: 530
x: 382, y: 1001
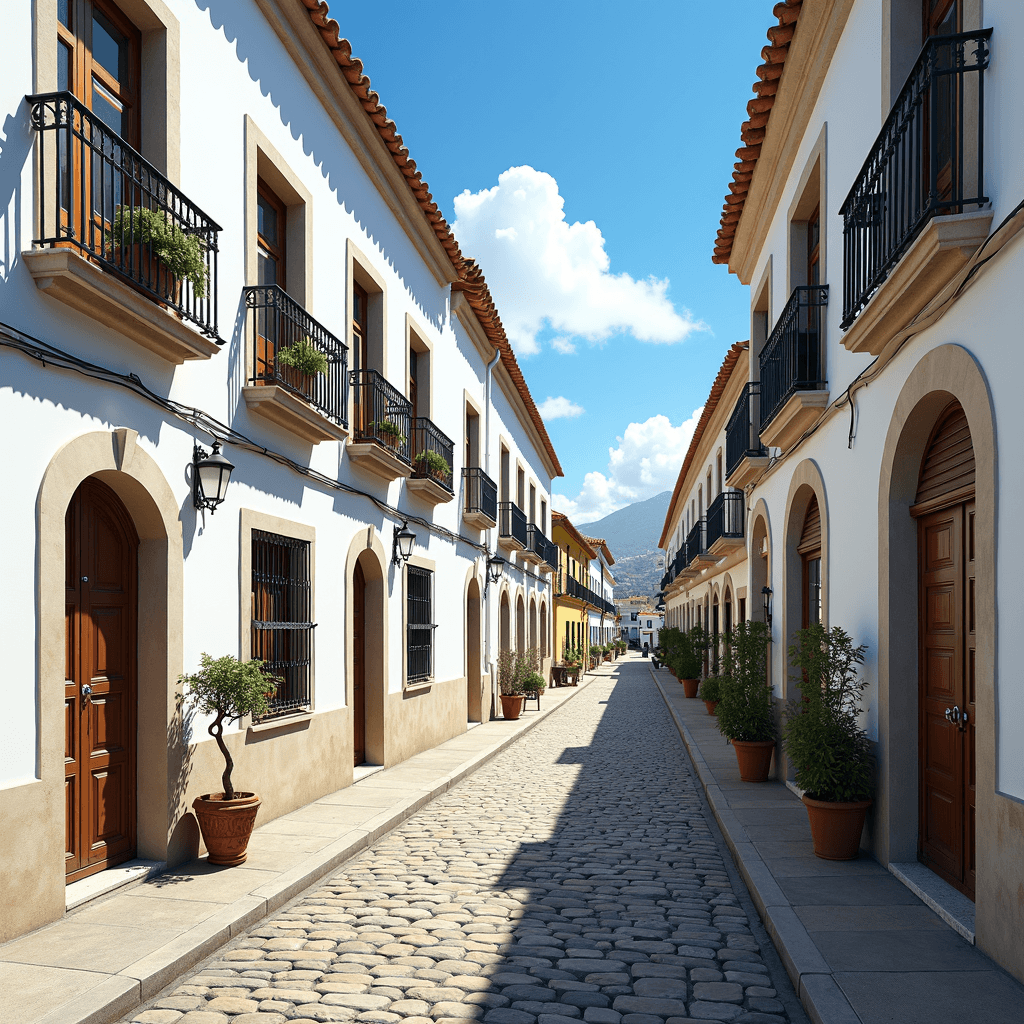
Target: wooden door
x: 359, y: 665
x: 100, y: 681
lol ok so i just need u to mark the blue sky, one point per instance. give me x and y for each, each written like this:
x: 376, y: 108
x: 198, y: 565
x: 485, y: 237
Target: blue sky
x: 595, y: 141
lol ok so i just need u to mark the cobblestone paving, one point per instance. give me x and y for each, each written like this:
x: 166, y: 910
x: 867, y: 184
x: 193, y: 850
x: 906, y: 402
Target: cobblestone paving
x: 572, y: 880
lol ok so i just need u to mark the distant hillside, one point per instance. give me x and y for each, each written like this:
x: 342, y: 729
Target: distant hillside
x: 632, y: 535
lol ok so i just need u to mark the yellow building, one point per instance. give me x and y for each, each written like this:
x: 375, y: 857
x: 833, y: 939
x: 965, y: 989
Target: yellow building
x: 574, y: 599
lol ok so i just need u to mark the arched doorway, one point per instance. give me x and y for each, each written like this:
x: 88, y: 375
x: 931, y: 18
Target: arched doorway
x: 533, y: 625
x: 474, y: 694
x: 945, y: 514
x: 358, y: 665
x: 543, y: 630
x: 520, y: 624
x: 504, y: 623
x: 100, y: 687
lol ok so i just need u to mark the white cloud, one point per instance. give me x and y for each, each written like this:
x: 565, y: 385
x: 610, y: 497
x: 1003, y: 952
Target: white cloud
x: 646, y: 462
x: 559, y: 408
x: 563, y: 345
x: 544, y: 271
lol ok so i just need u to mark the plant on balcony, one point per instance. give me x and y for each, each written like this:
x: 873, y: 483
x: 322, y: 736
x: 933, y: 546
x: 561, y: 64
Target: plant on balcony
x: 389, y: 432
x: 433, y: 463
x: 228, y: 689
x: 182, y: 254
x: 304, y: 357
x: 745, y: 707
x: 825, y: 741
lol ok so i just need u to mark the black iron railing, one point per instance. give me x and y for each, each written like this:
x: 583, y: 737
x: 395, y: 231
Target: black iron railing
x: 481, y: 492
x: 544, y: 549
x: 928, y: 159
x: 279, y: 329
x: 432, y: 453
x: 696, y: 543
x: 512, y: 522
x: 680, y: 562
x: 666, y: 579
x: 100, y: 196
x: 380, y: 413
x: 741, y: 432
x: 725, y: 517
x: 791, y: 358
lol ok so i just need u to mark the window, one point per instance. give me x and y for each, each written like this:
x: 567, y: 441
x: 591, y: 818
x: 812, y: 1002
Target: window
x: 270, y: 235
x: 814, y: 247
x: 282, y: 633
x: 809, y: 549
x: 504, y: 482
x: 360, y: 301
x: 543, y: 517
x: 520, y: 487
x: 419, y: 627
x: 414, y: 382
x: 472, y: 437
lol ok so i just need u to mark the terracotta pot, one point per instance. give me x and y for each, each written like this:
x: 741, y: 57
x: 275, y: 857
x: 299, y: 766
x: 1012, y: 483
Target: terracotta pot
x: 144, y: 271
x: 512, y: 705
x: 754, y: 758
x: 711, y: 705
x: 226, y: 825
x: 690, y: 686
x: 836, y: 827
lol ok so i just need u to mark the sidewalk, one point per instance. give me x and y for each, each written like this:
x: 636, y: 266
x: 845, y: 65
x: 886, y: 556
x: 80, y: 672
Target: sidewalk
x: 859, y: 946
x: 101, y: 961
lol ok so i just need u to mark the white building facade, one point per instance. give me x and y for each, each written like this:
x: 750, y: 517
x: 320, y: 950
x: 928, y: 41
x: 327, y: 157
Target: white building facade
x: 884, y: 257
x: 167, y: 261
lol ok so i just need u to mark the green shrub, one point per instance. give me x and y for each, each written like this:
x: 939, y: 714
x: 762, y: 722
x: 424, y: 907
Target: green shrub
x: 534, y: 683
x: 745, y: 706
x: 710, y: 689
x: 183, y: 255
x: 515, y: 669
x: 391, y: 431
x: 228, y: 689
x: 303, y: 356
x: 433, y: 462
x: 822, y: 734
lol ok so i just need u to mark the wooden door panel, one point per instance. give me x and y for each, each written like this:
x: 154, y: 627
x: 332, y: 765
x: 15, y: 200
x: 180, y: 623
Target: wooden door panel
x: 969, y: 705
x: 939, y: 546
x: 70, y: 823
x: 940, y: 610
x: 943, y: 754
x: 358, y: 665
x: 109, y: 824
x: 940, y: 674
x: 107, y: 726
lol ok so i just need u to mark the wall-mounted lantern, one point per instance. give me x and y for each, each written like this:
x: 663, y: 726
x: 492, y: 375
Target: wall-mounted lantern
x: 210, y: 475
x: 766, y: 594
x: 401, y: 546
x: 495, y: 568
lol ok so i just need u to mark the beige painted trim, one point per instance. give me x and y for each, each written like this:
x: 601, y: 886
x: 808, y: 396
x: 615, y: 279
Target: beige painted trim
x: 941, y: 375
x: 416, y: 337
x: 33, y: 867
x: 316, y: 63
x: 461, y: 308
x: 249, y: 520
x: 160, y: 88
x: 817, y: 35
x: 262, y: 160
x: 360, y: 270
x: 811, y: 191
x: 761, y: 295
x: 805, y: 482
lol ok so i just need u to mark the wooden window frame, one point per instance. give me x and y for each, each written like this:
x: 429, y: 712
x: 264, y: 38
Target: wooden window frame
x: 277, y: 250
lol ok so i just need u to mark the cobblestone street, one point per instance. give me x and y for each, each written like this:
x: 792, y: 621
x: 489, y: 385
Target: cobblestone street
x: 574, y: 877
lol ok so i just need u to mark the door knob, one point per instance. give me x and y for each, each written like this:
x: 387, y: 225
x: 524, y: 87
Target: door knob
x: 953, y: 714
x: 86, y: 692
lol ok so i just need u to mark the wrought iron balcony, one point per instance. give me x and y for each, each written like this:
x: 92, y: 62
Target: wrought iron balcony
x: 667, y: 579
x: 481, y: 501
x: 696, y: 541
x: 100, y: 197
x: 725, y: 518
x: 511, y: 525
x: 544, y: 551
x: 432, y: 454
x: 791, y: 358
x: 680, y: 561
x: 276, y: 324
x: 742, y: 438
x: 380, y: 413
x: 928, y: 160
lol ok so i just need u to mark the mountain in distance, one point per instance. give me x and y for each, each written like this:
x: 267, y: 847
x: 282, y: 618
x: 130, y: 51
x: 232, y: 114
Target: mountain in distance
x: 632, y: 536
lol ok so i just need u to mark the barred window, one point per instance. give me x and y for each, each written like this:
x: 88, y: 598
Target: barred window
x: 419, y: 627
x: 282, y: 634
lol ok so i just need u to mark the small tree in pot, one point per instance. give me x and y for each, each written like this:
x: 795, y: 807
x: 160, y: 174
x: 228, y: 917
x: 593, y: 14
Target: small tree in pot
x: 688, y: 655
x: 228, y: 689
x: 510, y: 685
x: 824, y: 739
x: 745, y: 707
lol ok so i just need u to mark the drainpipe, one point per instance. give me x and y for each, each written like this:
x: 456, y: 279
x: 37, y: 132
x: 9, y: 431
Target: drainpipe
x: 487, y: 469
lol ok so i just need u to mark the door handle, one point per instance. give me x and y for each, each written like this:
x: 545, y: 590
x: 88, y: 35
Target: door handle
x: 953, y: 714
x: 963, y: 721
x: 86, y: 693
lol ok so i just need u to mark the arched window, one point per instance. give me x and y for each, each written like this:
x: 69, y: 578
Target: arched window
x: 809, y: 549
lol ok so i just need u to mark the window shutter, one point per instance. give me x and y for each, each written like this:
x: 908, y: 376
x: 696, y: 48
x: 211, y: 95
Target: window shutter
x: 810, y: 539
x: 948, y: 463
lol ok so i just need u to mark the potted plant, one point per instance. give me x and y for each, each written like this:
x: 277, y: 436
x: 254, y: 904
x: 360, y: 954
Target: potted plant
x: 533, y: 687
x: 155, y: 252
x: 510, y: 685
x: 228, y: 689
x: 745, y: 705
x: 304, y: 357
x: 433, y: 464
x: 572, y: 662
x: 710, y: 692
x: 390, y: 433
x: 823, y: 738
x: 688, y: 654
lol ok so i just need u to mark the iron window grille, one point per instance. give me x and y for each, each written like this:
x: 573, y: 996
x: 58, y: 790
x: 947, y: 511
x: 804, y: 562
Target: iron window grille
x: 282, y: 633
x: 481, y: 492
x: 100, y: 196
x: 419, y: 625
x: 277, y: 322
x: 791, y: 358
x: 928, y: 159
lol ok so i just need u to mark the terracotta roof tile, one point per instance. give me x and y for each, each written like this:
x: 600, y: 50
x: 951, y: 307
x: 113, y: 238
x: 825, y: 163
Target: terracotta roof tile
x: 752, y: 132
x: 471, y: 278
x: 717, y: 390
